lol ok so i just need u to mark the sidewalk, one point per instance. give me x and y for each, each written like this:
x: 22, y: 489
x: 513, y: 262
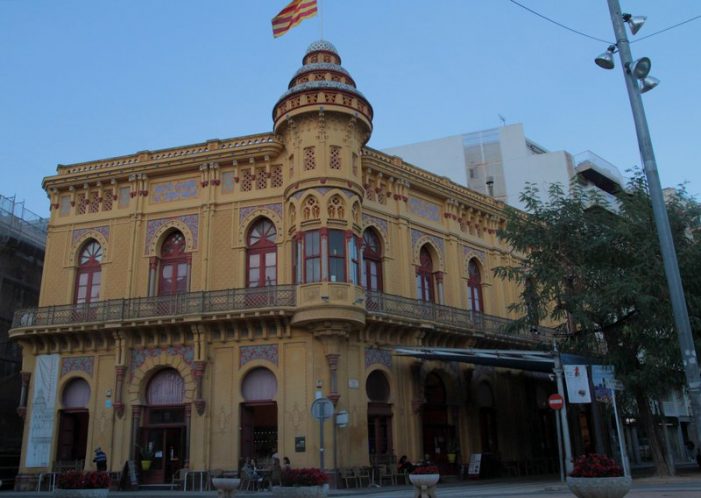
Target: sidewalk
x: 687, y: 485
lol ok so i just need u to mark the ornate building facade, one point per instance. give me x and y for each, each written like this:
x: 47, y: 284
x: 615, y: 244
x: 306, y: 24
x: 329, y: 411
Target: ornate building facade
x: 196, y: 300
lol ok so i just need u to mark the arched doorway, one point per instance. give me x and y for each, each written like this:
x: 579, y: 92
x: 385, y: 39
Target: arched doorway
x: 487, y: 418
x: 73, y: 422
x: 164, y: 431
x: 380, y: 443
x: 437, y: 434
x: 259, y: 415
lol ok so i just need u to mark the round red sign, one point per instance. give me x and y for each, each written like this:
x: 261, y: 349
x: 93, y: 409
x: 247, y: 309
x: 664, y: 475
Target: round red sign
x: 555, y: 401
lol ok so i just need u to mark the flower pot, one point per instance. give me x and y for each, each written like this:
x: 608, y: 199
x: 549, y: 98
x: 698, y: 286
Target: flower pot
x: 145, y: 464
x: 300, y: 491
x: 81, y: 493
x: 452, y: 457
x: 226, y: 486
x: 599, y: 487
x: 424, y: 484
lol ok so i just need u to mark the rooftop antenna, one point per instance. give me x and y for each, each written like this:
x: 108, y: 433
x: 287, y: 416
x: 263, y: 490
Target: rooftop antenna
x: 502, y: 119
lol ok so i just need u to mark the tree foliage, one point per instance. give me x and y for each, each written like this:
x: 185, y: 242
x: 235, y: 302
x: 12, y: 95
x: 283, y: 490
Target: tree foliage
x: 598, y: 274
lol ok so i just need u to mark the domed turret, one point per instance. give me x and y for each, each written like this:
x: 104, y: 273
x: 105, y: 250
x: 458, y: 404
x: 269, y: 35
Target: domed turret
x: 322, y: 84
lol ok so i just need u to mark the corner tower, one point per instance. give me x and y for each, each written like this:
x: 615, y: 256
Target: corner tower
x: 324, y: 121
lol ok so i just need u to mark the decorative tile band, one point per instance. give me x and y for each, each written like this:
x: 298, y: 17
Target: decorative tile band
x: 139, y: 356
x: 245, y: 211
x: 174, y: 191
x: 249, y: 353
x: 191, y: 221
x: 378, y: 222
x: 79, y: 232
x: 77, y: 364
x: 425, y: 209
x: 417, y: 234
x: 470, y: 251
x: 375, y: 356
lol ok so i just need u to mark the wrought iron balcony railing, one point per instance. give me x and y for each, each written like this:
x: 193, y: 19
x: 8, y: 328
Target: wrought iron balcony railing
x: 398, y: 306
x: 220, y: 301
x: 259, y: 298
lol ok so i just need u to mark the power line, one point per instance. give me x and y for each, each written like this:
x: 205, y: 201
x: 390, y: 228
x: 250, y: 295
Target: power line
x: 594, y: 37
x: 560, y: 24
x: 666, y: 29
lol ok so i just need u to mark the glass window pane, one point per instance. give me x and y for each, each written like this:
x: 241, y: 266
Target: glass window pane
x: 83, y: 279
x: 270, y: 259
x: 96, y: 278
x: 253, y: 277
x: 167, y: 272
x: 254, y: 261
x: 336, y: 243
x: 270, y: 278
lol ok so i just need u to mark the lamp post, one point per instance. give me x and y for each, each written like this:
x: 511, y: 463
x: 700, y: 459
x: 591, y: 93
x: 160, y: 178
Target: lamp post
x: 633, y: 72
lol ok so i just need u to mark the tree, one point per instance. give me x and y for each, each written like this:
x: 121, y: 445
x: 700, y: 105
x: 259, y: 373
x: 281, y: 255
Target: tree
x: 599, y: 275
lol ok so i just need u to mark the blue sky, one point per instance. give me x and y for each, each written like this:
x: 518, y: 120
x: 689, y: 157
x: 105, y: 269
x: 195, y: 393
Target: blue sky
x: 83, y: 80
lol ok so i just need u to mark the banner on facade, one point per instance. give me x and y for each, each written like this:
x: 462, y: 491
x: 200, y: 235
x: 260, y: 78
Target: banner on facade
x: 603, y: 377
x: 41, y: 422
x: 577, y: 382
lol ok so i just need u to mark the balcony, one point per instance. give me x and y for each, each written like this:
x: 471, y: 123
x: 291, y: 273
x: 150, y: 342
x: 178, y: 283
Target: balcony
x: 241, y: 303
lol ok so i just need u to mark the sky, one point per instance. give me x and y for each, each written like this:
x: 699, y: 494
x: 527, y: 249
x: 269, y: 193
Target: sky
x: 82, y: 80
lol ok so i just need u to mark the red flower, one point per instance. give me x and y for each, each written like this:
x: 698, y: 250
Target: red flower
x: 594, y: 465
x: 75, y: 479
x: 425, y: 469
x: 303, y: 477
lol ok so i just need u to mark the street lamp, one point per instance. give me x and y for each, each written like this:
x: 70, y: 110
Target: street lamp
x: 635, y: 73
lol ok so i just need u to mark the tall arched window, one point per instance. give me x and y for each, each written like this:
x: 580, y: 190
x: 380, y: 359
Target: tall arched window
x: 372, y: 254
x: 474, y: 287
x: 87, y: 282
x: 424, y: 277
x: 174, y: 273
x: 261, y: 259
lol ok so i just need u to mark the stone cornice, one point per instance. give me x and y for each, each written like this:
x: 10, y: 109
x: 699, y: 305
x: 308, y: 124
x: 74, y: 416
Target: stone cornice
x: 430, y: 183
x: 171, y: 159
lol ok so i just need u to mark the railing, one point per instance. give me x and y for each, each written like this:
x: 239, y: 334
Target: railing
x: 272, y: 297
x: 221, y: 301
x: 397, y: 306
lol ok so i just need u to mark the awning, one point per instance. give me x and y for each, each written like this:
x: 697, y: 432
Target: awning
x: 536, y: 361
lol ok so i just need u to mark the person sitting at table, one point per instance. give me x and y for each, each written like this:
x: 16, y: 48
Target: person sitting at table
x: 405, y: 466
x: 251, y: 473
x: 286, y: 465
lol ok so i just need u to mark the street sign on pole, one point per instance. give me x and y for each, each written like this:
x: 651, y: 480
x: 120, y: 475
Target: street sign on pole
x: 555, y: 401
x: 322, y: 408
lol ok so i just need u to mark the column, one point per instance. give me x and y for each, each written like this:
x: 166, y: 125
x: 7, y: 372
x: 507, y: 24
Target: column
x: 136, y: 413
x: 22, y: 407
x: 120, y: 371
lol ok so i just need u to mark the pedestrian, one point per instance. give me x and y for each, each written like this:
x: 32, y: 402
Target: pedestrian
x: 100, y: 459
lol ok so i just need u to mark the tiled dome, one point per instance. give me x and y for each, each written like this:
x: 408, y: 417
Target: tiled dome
x: 321, y: 45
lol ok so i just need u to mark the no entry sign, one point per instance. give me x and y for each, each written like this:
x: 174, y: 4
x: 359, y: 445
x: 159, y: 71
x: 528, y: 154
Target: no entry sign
x: 555, y: 401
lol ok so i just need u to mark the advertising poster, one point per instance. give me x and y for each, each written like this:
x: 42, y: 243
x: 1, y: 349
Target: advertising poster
x: 577, y: 382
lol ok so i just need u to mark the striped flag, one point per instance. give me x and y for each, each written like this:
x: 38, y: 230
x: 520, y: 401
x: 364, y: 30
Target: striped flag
x: 289, y: 17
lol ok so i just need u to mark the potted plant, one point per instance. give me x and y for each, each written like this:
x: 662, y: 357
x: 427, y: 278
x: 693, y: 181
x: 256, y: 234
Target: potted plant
x: 302, y: 483
x: 424, y: 478
x: 453, y: 450
x: 146, y: 456
x: 598, y: 476
x: 78, y: 484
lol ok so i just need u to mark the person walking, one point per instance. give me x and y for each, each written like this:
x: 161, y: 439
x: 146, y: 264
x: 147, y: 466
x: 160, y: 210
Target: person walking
x: 100, y: 459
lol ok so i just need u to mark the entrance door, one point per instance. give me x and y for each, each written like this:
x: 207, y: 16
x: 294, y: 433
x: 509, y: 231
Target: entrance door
x: 72, y: 435
x: 259, y: 431
x: 166, y: 445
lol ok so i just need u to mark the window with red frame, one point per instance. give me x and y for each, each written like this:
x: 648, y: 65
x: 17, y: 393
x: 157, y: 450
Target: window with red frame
x: 174, y: 272
x: 474, y: 287
x: 87, y: 282
x: 337, y: 256
x: 261, y: 255
x: 424, y: 277
x: 372, y: 254
x: 312, y: 256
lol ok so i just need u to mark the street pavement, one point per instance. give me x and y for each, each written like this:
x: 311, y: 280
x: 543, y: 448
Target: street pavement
x: 685, y: 486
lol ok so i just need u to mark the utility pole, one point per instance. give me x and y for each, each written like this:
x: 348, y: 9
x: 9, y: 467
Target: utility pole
x: 664, y: 233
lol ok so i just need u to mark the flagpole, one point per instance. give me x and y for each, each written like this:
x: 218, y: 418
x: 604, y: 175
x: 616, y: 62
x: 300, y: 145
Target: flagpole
x: 321, y: 18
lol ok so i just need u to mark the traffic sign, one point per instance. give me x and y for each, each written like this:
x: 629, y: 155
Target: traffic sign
x: 555, y: 401
x: 322, y: 408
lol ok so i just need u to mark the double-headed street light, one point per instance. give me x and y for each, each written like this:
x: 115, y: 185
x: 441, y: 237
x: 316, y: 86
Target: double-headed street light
x: 638, y: 81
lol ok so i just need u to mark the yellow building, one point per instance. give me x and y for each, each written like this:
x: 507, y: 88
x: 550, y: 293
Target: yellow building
x: 196, y: 300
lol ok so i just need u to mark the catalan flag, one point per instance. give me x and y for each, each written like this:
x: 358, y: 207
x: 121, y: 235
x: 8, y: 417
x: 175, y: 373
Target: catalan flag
x: 289, y: 17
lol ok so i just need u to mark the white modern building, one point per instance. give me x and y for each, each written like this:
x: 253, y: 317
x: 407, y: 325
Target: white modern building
x: 500, y: 161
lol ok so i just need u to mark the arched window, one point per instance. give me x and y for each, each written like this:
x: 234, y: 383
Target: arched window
x: 174, y: 273
x: 372, y: 254
x: 76, y: 394
x: 87, y: 282
x: 166, y: 388
x: 261, y: 258
x: 424, y: 277
x: 474, y: 287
